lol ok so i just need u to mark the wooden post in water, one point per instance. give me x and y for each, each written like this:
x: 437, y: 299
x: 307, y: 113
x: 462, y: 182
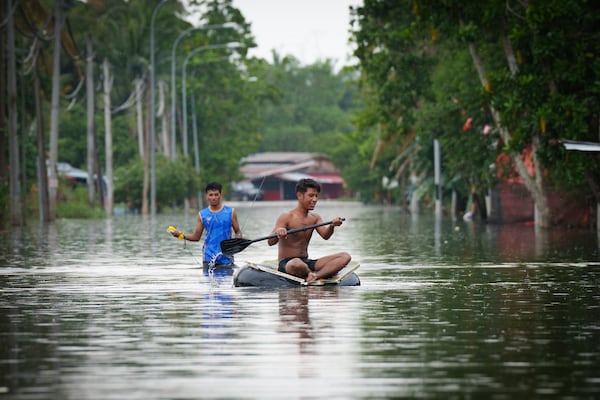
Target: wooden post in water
x: 437, y: 178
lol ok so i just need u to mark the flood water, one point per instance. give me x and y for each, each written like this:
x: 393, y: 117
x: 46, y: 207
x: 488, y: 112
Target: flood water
x: 119, y: 309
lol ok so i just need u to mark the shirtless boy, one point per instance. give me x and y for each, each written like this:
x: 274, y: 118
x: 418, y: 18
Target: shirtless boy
x: 293, y: 249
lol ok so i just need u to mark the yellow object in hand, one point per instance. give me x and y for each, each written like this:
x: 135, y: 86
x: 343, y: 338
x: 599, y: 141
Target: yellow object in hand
x: 173, y: 229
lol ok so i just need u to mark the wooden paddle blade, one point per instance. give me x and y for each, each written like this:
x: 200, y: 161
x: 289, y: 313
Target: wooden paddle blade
x: 232, y: 246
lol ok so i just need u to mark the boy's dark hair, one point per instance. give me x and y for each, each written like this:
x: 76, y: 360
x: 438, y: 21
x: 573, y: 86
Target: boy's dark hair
x: 304, y: 184
x: 213, y: 186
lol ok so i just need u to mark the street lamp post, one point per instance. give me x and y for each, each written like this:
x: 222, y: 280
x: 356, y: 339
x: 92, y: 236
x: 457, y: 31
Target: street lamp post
x: 195, y: 132
x: 195, y: 127
x: 152, y: 114
x: 231, y: 25
x: 231, y: 45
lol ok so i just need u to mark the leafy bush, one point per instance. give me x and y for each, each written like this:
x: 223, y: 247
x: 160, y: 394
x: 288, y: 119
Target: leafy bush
x: 175, y: 180
x: 74, y: 204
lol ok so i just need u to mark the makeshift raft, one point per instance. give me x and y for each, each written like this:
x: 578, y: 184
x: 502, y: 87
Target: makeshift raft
x: 266, y: 275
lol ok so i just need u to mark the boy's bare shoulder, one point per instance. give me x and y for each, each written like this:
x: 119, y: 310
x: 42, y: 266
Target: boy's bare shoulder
x: 284, y: 218
x: 314, y: 216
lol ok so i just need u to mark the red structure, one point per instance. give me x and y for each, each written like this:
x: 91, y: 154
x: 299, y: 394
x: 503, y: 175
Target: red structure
x: 514, y: 204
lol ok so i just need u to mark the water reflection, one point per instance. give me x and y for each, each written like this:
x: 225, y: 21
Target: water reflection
x: 400, y: 238
x: 294, y: 313
x: 218, y: 273
x: 120, y: 309
x: 218, y: 309
x: 294, y: 317
x: 485, y: 331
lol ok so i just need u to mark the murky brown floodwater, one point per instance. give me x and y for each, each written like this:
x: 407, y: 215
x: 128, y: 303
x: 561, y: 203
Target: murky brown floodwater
x: 119, y: 309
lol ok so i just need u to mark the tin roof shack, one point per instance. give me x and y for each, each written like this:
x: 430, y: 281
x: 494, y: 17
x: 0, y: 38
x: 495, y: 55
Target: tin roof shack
x: 277, y: 173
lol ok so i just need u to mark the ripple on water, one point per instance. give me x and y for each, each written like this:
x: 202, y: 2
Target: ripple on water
x: 118, y: 311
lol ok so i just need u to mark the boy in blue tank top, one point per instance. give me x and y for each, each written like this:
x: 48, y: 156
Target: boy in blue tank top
x: 218, y: 220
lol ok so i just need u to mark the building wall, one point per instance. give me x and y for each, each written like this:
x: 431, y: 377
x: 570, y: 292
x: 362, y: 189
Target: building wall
x: 515, y: 205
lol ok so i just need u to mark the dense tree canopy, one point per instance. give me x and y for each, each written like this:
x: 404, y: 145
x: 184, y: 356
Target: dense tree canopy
x: 489, y: 80
x: 532, y: 81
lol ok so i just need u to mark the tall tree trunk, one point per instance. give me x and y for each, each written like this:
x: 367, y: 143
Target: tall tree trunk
x: 535, y: 184
x: 91, y: 132
x: 108, y: 206
x: 168, y: 144
x: 162, y: 86
x: 145, y: 190
x: 3, y: 152
x: 23, y: 148
x: 509, y: 52
x: 54, y: 114
x: 15, y: 209
x: 196, y: 149
x: 99, y: 179
x: 41, y: 144
x: 139, y: 115
x: 543, y: 213
x: 196, y: 139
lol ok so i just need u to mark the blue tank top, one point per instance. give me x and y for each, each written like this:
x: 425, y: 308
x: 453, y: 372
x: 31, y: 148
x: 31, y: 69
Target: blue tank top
x: 218, y: 228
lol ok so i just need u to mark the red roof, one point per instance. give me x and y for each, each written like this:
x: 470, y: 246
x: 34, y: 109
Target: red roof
x: 291, y: 166
x: 331, y: 179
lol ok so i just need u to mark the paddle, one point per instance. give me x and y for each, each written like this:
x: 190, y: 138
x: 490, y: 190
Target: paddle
x: 232, y: 246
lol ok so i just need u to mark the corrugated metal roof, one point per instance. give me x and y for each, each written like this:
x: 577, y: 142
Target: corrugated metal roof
x: 291, y: 166
x: 580, y: 146
x: 293, y: 176
x: 259, y: 171
x: 331, y: 179
x: 321, y: 178
x: 280, y: 157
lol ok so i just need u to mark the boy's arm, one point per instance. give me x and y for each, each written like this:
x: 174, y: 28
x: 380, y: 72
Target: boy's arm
x: 280, y: 229
x: 327, y: 231
x: 194, y: 237
x: 235, y: 224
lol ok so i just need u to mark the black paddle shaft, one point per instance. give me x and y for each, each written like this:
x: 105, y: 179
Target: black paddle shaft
x: 232, y: 246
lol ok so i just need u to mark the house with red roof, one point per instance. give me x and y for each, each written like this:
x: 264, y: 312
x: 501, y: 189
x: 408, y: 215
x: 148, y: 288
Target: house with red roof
x: 276, y: 174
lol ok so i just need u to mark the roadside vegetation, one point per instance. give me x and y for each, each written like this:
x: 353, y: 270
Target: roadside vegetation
x: 498, y: 83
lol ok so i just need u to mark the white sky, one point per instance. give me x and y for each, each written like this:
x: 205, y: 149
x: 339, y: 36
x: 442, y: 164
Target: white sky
x: 310, y: 30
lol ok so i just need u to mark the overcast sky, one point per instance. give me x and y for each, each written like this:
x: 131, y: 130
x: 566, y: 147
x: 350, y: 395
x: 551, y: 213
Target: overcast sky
x: 310, y: 30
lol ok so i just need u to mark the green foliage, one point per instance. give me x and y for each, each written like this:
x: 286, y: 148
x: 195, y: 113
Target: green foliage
x: 129, y: 183
x: 175, y: 181
x: 74, y: 203
x: 351, y: 154
x: 417, y: 74
x: 72, y: 141
x: 124, y: 140
x: 227, y: 122
x: 416, y: 81
x: 457, y: 100
x: 308, y: 108
x: 395, y: 80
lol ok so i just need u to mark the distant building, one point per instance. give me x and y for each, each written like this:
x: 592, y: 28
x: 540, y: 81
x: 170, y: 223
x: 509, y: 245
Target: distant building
x: 276, y: 174
x: 73, y: 175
